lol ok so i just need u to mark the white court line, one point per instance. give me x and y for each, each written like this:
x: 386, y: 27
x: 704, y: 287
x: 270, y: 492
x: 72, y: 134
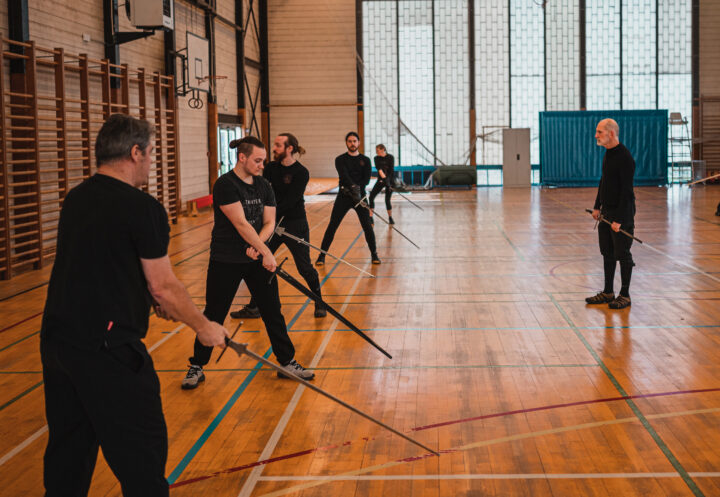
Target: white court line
x: 511, y: 476
x: 22, y: 445
x: 18, y: 448
x: 267, y: 452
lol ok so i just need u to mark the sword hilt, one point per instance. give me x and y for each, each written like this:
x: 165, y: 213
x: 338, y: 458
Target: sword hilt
x: 279, y: 267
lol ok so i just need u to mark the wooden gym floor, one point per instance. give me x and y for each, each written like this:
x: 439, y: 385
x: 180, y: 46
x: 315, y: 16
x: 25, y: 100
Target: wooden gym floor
x: 497, y: 361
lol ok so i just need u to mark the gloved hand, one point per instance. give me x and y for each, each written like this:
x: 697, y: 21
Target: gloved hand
x: 354, y: 192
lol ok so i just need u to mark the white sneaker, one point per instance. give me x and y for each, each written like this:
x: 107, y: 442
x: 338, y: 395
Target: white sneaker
x: 194, y: 376
x: 296, y: 369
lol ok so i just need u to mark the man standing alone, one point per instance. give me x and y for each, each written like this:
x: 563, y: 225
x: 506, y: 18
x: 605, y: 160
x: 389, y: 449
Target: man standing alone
x: 615, y: 202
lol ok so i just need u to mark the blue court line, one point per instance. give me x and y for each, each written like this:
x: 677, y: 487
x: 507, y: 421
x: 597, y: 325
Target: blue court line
x: 226, y: 408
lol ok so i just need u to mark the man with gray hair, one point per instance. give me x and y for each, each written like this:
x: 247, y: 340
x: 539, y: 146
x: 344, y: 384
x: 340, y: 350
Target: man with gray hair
x: 615, y: 202
x: 101, y: 389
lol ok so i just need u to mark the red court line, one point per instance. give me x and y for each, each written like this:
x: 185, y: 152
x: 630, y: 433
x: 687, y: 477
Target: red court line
x: 446, y: 423
x: 21, y: 322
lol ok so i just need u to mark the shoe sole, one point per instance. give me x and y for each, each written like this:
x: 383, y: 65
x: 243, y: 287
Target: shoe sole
x: 318, y: 263
x: 377, y: 263
x: 286, y: 377
x: 618, y: 308
x: 241, y: 315
x: 185, y: 386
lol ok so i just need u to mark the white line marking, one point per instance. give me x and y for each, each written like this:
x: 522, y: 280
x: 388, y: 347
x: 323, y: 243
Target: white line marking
x: 22, y: 445
x: 267, y: 452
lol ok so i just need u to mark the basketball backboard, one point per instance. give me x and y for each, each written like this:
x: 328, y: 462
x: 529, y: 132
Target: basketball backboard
x: 198, y: 62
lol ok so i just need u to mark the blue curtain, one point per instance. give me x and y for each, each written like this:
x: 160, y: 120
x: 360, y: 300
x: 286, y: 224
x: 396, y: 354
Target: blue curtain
x: 569, y: 155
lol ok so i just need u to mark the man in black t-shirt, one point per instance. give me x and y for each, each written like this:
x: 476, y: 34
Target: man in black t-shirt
x: 101, y: 389
x: 354, y: 174
x: 244, y: 209
x: 288, y: 179
x: 385, y: 165
x: 615, y: 201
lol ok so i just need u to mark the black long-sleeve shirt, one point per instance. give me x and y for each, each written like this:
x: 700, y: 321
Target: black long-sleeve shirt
x: 353, y: 170
x: 288, y: 183
x: 616, y: 197
x: 386, y: 165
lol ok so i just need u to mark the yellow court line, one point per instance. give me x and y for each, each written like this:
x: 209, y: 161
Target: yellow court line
x: 485, y: 443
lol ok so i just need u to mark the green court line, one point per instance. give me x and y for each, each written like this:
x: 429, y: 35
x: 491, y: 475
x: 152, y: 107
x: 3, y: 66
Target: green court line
x: 529, y: 328
x: 515, y: 248
x: 636, y: 411
x: 380, y: 368
x: 18, y: 341
x: 21, y: 395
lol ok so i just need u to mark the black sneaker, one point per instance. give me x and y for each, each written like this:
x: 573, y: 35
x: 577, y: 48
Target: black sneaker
x: 391, y: 220
x: 320, y: 311
x: 296, y: 369
x: 601, y: 298
x: 375, y: 259
x: 621, y: 302
x: 320, y: 260
x: 194, y: 376
x: 246, y: 312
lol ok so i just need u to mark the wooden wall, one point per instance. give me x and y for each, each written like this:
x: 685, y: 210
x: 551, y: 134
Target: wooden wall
x: 312, y: 76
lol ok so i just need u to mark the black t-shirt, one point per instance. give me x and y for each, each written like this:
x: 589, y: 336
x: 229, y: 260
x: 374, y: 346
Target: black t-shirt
x: 386, y: 165
x: 353, y: 170
x: 288, y: 183
x: 615, y: 196
x: 98, y: 293
x: 227, y: 245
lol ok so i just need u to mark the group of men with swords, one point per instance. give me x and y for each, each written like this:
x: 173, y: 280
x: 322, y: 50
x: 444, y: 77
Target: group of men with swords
x: 112, y: 266
x: 247, y: 200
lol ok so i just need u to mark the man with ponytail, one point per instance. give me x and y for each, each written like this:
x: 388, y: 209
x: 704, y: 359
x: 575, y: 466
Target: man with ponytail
x: 289, y: 178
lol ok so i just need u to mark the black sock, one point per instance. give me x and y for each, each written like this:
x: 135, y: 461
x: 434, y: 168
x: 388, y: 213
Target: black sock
x: 609, y: 264
x: 625, y: 275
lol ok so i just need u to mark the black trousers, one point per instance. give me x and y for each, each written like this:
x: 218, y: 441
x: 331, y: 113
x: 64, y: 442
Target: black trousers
x: 300, y: 253
x: 223, y: 280
x: 615, y: 245
x: 109, y: 399
x: 377, y: 187
x: 343, y: 203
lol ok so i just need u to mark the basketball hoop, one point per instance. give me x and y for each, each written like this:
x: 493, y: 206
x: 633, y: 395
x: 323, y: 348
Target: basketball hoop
x: 195, y: 102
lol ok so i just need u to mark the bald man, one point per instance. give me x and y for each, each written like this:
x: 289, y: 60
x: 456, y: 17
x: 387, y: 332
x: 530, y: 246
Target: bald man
x: 615, y: 201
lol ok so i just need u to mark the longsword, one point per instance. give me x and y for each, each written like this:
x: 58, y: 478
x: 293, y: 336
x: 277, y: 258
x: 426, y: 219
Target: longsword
x: 392, y: 189
x: 362, y: 203
x: 703, y: 179
x: 242, y: 348
x: 601, y: 218
x: 280, y: 231
x: 281, y: 273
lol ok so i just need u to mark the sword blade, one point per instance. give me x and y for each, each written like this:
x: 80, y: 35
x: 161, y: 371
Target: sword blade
x: 316, y: 298
x: 392, y: 226
x: 241, y: 348
x: 362, y: 203
x: 282, y: 232
x: 403, y: 196
x: 233, y: 336
x: 703, y: 180
x: 621, y: 231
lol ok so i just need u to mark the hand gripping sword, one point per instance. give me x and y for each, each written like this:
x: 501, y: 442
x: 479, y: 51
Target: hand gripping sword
x: 281, y: 273
x: 621, y: 231
x: 242, y: 348
x: 362, y: 203
x: 280, y: 231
